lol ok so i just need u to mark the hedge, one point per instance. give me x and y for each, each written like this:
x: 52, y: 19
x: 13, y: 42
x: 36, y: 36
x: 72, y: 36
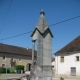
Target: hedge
x: 19, y: 67
x: 3, y: 70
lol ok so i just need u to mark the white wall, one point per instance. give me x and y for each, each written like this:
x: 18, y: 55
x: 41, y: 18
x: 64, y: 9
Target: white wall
x: 64, y: 68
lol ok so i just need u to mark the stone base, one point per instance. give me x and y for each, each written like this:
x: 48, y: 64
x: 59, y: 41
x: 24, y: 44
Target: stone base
x: 41, y: 78
x: 45, y: 78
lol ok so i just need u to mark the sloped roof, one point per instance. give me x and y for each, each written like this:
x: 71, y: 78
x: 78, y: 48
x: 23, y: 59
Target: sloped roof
x: 71, y: 47
x: 5, y: 48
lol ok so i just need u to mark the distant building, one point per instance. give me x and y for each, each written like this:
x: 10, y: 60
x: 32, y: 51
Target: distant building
x: 14, y: 55
x: 67, y: 60
x: 53, y: 65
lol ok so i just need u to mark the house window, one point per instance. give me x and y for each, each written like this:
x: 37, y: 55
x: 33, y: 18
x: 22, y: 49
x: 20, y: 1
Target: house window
x: 3, y: 65
x: 4, y: 57
x: 77, y: 58
x: 62, y: 59
x: 19, y: 58
x: 73, y: 70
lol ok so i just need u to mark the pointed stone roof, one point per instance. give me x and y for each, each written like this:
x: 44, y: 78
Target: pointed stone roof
x: 73, y: 46
x: 42, y: 25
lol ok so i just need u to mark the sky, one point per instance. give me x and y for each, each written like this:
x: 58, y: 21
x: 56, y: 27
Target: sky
x: 21, y: 16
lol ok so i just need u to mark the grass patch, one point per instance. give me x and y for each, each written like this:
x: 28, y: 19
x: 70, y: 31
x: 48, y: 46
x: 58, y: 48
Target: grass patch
x: 3, y: 79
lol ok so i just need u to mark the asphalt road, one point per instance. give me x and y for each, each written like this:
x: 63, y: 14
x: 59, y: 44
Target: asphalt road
x: 65, y: 79
x: 8, y: 76
x: 54, y: 78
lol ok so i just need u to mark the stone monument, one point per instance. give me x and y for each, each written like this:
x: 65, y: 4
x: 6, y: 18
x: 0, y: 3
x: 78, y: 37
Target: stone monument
x: 43, y: 36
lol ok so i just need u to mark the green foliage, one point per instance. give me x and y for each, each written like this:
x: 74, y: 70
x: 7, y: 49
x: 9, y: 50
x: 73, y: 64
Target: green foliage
x: 19, y: 67
x: 3, y: 70
x: 61, y: 78
x: 11, y: 70
x: 3, y: 79
x: 0, y: 70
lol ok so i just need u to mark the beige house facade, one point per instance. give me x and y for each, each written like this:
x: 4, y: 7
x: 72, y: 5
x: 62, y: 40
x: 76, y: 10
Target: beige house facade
x: 11, y: 56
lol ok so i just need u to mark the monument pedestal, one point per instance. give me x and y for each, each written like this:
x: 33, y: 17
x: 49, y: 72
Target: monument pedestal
x: 45, y: 74
x: 45, y: 78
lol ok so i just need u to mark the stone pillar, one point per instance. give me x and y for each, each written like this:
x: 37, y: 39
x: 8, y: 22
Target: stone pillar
x: 33, y: 48
x: 32, y: 65
x: 33, y: 51
x: 44, y: 51
x: 44, y: 55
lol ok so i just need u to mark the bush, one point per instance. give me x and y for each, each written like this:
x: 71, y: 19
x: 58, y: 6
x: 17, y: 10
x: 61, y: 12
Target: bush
x: 3, y: 70
x: 11, y: 70
x: 19, y: 67
x: 0, y: 70
x: 61, y: 78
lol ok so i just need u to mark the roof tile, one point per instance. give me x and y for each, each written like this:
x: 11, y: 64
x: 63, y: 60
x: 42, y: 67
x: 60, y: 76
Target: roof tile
x: 15, y: 50
x: 71, y: 47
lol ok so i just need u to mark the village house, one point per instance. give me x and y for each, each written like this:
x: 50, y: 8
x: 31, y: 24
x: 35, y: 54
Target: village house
x: 67, y: 60
x: 14, y: 55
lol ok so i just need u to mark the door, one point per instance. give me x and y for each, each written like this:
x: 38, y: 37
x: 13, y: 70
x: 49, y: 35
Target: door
x: 73, y: 70
x: 28, y: 66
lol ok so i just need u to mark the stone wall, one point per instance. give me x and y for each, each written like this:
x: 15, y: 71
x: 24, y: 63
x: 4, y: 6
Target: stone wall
x: 24, y: 59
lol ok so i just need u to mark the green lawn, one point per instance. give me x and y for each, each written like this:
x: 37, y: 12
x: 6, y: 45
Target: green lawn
x: 3, y: 79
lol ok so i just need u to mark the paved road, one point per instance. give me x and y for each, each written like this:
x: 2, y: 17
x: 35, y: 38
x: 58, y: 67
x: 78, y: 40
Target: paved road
x: 54, y: 78
x: 8, y: 76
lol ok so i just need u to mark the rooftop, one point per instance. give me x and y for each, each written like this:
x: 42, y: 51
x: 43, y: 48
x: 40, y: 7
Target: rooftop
x: 71, y: 47
x: 5, y: 48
